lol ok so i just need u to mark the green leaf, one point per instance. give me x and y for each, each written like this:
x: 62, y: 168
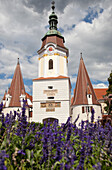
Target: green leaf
x: 28, y: 152
x: 0, y: 124
x: 93, y: 159
x: 55, y: 165
x: 76, y: 163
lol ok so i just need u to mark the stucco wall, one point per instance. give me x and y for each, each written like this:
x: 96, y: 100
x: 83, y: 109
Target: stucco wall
x: 62, y: 95
x: 85, y: 116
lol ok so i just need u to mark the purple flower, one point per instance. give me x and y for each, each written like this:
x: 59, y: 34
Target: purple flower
x: 21, y: 152
x: 3, y: 155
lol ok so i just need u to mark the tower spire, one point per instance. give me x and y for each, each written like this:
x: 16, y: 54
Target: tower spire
x: 53, y: 19
x: 18, y: 61
x: 81, y: 56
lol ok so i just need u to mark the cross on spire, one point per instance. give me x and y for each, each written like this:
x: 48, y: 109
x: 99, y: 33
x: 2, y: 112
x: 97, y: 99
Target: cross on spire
x: 53, y: 6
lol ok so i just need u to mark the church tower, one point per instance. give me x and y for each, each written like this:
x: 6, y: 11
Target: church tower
x: 52, y: 89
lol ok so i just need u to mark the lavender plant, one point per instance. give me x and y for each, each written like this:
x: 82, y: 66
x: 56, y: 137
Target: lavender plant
x: 25, y: 145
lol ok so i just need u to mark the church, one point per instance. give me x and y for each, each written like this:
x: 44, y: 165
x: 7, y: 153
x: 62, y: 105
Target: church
x: 52, y: 88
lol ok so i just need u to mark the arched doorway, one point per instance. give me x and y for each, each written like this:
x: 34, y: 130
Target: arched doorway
x: 50, y: 119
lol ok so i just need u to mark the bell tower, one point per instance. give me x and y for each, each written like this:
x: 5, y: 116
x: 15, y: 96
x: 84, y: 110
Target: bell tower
x: 53, y: 55
x: 51, y: 90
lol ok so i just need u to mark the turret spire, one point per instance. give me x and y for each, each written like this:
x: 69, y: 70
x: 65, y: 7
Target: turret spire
x: 18, y: 61
x: 53, y: 19
x: 81, y: 56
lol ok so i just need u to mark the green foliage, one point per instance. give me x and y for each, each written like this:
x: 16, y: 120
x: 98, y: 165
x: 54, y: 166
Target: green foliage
x: 108, y: 107
x: 109, y: 91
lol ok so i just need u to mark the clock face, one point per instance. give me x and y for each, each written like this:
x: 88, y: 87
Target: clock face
x: 50, y: 50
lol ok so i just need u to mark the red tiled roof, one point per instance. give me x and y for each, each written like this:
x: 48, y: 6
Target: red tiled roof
x: 72, y: 100
x: 50, y: 78
x: 88, y: 90
x: 4, y: 95
x: 100, y: 93
x: 17, y: 87
x: 83, y: 81
x: 46, y: 78
x: 29, y: 97
x: 106, y: 116
x: 53, y: 39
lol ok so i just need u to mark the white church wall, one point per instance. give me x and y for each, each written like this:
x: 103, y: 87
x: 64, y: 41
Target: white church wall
x: 61, y: 85
x: 7, y: 100
x: 60, y: 113
x: 59, y: 62
x: 12, y: 109
x: 60, y: 92
x: 86, y: 115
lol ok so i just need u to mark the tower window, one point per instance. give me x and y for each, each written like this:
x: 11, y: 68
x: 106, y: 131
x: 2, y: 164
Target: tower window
x: 83, y: 109
x: 89, y: 95
x: 50, y: 97
x: 50, y: 64
x: 50, y: 87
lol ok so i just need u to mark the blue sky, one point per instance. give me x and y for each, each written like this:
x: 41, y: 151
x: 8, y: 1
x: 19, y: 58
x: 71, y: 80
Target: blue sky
x: 85, y: 25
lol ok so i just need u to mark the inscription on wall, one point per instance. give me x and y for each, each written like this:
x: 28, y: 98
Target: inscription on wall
x: 50, y: 92
x: 50, y: 106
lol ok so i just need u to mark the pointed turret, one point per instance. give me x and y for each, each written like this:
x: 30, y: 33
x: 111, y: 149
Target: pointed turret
x: 83, y: 87
x: 17, y: 87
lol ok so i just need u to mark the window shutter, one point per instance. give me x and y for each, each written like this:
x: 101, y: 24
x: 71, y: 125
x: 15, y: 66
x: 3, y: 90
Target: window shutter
x: 83, y: 109
x: 91, y: 108
x: 30, y: 113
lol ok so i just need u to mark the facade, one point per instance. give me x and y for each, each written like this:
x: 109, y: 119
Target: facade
x: 84, y: 99
x: 100, y: 94
x: 13, y: 98
x: 52, y: 89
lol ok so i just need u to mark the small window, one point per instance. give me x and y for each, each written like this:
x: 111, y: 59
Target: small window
x: 87, y: 109
x: 89, y: 96
x: 50, y: 64
x: 50, y: 87
x: 30, y: 113
x: 18, y: 110
x: 7, y: 99
x: 83, y: 109
x: 50, y: 97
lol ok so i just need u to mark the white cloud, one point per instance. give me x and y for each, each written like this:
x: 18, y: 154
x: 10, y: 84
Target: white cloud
x: 99, y: 86
x: 4, y: 84
x: 94, y: 41
x: 22, y: 25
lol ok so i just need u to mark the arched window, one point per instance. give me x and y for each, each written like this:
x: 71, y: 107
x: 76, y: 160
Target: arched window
x: 50, y: 64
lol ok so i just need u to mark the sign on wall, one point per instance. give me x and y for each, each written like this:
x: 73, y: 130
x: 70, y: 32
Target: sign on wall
x: 50, y: 106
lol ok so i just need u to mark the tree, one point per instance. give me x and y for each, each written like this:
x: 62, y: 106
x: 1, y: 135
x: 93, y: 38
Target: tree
x: 108, y: 108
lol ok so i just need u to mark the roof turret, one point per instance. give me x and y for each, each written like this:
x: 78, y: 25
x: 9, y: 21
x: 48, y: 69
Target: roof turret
x: 83, y: 87
x: 17, y: 87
